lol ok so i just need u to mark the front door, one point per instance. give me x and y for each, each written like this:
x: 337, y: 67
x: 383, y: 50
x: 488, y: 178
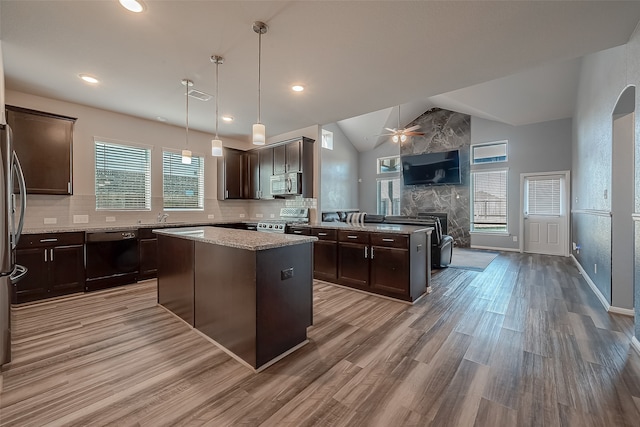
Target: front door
x: 545, y: 214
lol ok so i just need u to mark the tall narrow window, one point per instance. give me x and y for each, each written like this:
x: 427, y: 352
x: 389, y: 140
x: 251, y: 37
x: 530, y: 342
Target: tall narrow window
x: 543, y: 195
x: 489, y: 201
x: 490, y: 152
x: 327, y: 139
x: 182, y: 184
x: 388, y: 185
x: 123, y: 177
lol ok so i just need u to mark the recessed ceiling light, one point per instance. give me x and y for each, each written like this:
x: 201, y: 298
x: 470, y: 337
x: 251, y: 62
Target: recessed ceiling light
x: 227, y: 119
x: 132, y: 5
x: 89, y: 78
x: 297, y: 88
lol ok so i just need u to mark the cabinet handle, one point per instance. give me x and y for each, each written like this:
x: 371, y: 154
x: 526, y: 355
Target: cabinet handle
x: 352, y: 237
x: 45, y: 255
x: 51, y: 254
x: 322, y: 234
x: 297, y: 232
x: 371, y: 252
x: 388, y: 240
x: 366, y: 249
x: 48, y: 240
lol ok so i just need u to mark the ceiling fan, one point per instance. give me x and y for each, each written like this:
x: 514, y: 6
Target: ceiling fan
x: 398, y: 134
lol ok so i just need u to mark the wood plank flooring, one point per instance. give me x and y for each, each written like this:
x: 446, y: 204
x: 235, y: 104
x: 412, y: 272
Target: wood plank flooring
x: 523, y: 343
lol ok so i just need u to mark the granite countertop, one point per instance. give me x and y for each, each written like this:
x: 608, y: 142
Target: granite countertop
x: 242, y: 239
x: 371, y: 227
x: 127, y: 227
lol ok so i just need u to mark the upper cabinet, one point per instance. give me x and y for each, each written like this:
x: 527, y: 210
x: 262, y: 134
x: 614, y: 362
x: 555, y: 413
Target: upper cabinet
x: 247, y: 174
x: 44, y: 145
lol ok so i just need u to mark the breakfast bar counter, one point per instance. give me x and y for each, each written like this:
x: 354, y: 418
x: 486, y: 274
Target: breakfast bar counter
x: 249, y: 292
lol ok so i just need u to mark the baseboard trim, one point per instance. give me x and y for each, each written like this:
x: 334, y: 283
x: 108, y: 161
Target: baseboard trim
x: 635, y: 344
x: 592, y: 285
x: 624, y: 311
x: 494, y: 248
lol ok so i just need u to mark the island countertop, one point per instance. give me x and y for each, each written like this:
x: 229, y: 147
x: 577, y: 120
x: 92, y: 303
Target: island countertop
x: 371, y: 227
x: 241, y: 239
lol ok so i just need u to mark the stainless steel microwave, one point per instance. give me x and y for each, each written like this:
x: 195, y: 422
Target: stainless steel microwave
x: 288, y: 184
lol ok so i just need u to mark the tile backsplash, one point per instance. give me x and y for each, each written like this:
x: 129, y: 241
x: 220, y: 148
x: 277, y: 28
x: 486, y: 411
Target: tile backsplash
x: 79, y: 211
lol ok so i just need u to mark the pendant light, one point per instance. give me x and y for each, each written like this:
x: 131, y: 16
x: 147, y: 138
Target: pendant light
x: 186, y: 153
x: 216, y: 144
x: 259, y: 130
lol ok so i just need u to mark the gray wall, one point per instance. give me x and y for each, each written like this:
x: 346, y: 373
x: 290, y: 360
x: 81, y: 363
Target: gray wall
x: 368, y: 165
x: 540, y: 147
x: 443, y: 130
x: 603, y: 78
x: 339, y: 173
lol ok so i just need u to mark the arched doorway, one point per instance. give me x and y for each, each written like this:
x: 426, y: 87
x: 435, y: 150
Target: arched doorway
x: 623, y: 202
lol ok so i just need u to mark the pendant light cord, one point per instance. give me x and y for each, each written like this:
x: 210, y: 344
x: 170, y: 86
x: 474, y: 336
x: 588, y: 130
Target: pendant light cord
x: 186, y: 93
x: 259, y: 70
x: 217, y: 63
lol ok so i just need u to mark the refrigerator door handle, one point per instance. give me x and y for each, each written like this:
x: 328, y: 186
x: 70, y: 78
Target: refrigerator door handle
x: 23, y: 200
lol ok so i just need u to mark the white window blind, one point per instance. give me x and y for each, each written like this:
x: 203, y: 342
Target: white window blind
x: 123, y: 177
x: 489, y: 152
x: 543, y: 196
x: 489, y: 201
x: 182, y: 184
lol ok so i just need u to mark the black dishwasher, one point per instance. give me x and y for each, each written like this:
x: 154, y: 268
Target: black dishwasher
x: 111, y: 259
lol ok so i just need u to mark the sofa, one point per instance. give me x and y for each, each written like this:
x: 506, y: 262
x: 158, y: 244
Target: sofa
x: 441, y: 243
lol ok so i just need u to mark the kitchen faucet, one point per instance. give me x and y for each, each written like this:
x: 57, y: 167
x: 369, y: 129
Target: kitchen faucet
x: 162, y: 217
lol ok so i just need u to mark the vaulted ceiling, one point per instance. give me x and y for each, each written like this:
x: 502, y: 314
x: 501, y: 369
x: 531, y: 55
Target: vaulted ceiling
x: 513, y: 61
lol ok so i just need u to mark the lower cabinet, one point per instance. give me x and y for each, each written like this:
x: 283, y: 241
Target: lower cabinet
x: 148, y: 254
x: 55, y: 266
x: 325, y: 254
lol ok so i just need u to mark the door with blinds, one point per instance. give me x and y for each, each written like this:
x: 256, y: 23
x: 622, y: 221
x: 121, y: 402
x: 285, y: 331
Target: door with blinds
x: 545, y: 214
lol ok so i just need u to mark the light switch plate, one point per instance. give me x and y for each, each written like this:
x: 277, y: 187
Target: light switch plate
x: 81, y: 219
x: 211, y: 216
x: 241, y: 215
x: 51, y: 220
x: 272, y: 216
x: 258, y: 215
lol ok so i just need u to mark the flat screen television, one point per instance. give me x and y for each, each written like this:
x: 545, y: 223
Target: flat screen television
x: 432, y: 168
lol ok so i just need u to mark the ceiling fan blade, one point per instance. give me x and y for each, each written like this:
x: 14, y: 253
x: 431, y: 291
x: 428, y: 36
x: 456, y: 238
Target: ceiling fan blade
x: 391, y: 130
x: 378, y: 136
x: 414, y: 133
x: 412, y: 128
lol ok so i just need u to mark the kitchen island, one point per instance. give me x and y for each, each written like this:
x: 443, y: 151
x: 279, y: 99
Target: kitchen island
x: 248, y: 292
x: 393, y: 260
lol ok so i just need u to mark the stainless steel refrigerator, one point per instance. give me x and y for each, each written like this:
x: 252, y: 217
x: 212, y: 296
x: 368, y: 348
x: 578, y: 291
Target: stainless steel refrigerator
x: 10, y: 231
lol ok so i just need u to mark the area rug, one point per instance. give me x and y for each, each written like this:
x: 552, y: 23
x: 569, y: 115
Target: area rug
x: 471, y: 259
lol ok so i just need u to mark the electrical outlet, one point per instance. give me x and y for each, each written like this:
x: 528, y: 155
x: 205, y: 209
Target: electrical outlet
x: 110, y: 219
x: 286, y: 273
x: 573, y: 245
x: 606, y: 194
x: 211, y: 216
x: 272, y: 216
x: 258, y: 215
x: 81, y: 219
x: 515, y: 238
x: 241, y: 215
x: 51, y: 220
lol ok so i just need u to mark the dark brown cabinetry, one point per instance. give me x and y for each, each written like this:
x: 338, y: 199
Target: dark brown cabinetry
x: 353, y: 263
x: 148, y: 254
x: 252, y: 181
x: 265, y: 171
x: 286, y: 157
x: 230, y: 174
x: 43, y: 142
x: 325, y: 254
x: 55, y: 263
x: 389, y: 257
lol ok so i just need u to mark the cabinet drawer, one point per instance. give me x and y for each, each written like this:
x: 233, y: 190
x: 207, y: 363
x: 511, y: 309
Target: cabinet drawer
x: 304, y: 231
x: 324, y: 233
x: 50, y: 239
x: 353, y: 236
x: 390, y: 240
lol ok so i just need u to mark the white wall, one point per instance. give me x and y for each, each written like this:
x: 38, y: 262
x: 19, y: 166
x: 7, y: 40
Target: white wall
x: 339, y: 175
x: 540, y: 147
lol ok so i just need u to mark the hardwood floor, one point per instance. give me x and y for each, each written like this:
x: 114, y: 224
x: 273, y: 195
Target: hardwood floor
x: 524, y: 342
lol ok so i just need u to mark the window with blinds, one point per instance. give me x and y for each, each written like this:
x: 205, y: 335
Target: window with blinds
x: 543, y: 196
x: 123, y: 177
x: 182, y: 184
x: 489, y: 201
